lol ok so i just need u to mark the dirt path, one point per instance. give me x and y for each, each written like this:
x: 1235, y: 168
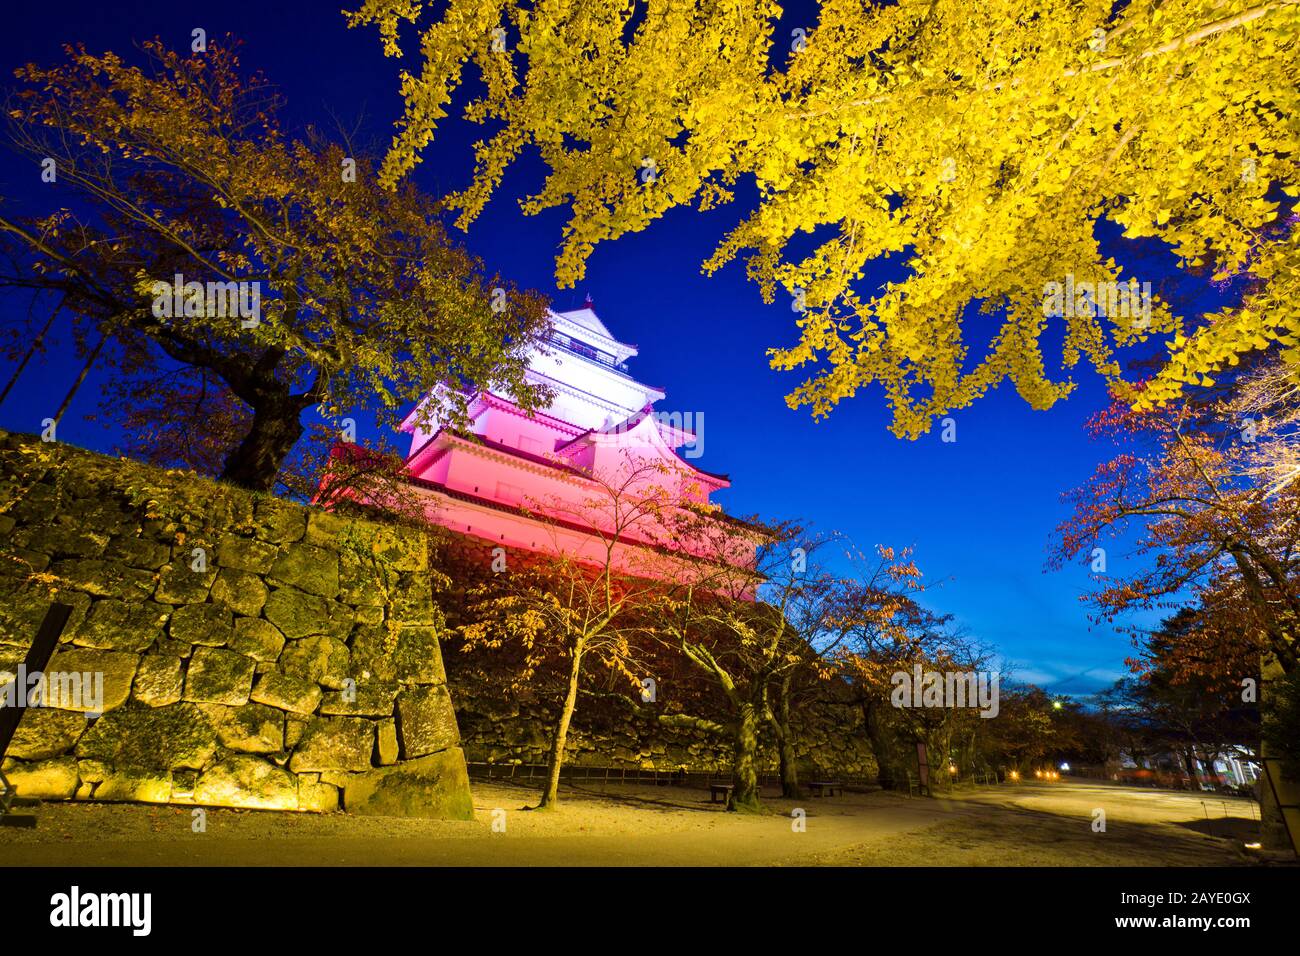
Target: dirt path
x: 631, y: 826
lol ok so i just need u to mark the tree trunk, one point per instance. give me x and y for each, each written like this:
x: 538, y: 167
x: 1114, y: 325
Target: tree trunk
x: 744, y: 772
x: 785, y: 743
x: 81, y: 378
x: 551, y: 795
x: 881, y: 745
x: 256, y: 463
x: 1279, y: 796
x: 27, y: 357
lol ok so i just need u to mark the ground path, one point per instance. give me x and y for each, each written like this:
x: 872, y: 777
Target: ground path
x: 1032, y: 824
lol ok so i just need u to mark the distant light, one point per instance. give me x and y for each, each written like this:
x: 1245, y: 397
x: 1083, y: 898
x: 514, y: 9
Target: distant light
x: 1254, y: 846
x: 1065, y: 767
x: 1056, y: 705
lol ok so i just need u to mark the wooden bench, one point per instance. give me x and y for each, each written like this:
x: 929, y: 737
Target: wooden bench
x: 825, y: 788
x: 723, y: 791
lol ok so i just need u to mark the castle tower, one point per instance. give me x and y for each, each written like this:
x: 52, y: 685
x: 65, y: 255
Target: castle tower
x: 491, y: 480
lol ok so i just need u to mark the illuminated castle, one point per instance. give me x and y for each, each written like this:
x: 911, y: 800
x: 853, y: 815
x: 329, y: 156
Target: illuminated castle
x: 493, y: 480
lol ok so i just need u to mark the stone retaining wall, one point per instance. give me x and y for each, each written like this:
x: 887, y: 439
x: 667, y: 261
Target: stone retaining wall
x: 254, y: 652
x: 830, y: 740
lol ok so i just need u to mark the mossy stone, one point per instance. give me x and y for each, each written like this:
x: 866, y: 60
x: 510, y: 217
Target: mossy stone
x: 296, y: 613
x: 426, y: 721
x: 322, y: 659
x: 308, y: 568
x: 287, y: 693
x: 248, y: 782
x: 240, y: 591
x: 253, y: 728
x: 436, y: 786
x: 181, y: 584
x: 102, y: 578
x: 117, y: 626
x: 218, y: 676
x: 174, y: 737
x: 208, y: 625
x: 115, y: 668
x: 43, y: 732
x: 135, y: 786
x: 417, y: 658
x: 261, y: 640
x: 335, y: 743
x: 159, y: 680
x: 54, y: 779
x: 245, y: 554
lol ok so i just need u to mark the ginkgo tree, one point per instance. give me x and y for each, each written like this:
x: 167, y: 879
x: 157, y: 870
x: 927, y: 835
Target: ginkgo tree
x: 975, y: 147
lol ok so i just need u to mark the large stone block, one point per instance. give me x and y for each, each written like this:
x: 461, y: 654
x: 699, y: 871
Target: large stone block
x: 325, y: 529
x: 249, y: 782
x: 386, y: 743
x: 43, y: 779
x: 139, y: 552
x: 174, y: 737
x: 219, y: 676
x: 43, y: 732
x: 317, y: 796
x: 321, y: 659
x: 298, y: 614
x: 402, y: 549
x: 287, y: 693
x: 261, y: 640
x: 413, y: 601
x: 116, y: 669
x: 245, y: 554
x: 426, y: 721
x: 253, y: 728
x: 373, y: 649
x: 181, y: 584
x: 308, y: 568
x: 207, y: 625
x: 435, y: 786
x: 278, y: 522
x: 63, y: 538
x: 360, y: 582
x: 136, y: 786
x: 365, y: 700
x: 117, y: 626
x: 159, y: 680
x: 335, y: 743
x: 418, y: 656
x: 110, y: 579
x: 240, y: 591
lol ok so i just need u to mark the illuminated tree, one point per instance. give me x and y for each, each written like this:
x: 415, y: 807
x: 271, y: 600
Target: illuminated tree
x: 577, y: 603
x: 350, y: 296
x: 971, y: 150
x: 747, y: 627
x: 1186, y: 488
x: 887, y: 630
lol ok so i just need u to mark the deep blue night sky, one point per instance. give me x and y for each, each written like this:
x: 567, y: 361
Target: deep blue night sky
x: 978, y: 511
